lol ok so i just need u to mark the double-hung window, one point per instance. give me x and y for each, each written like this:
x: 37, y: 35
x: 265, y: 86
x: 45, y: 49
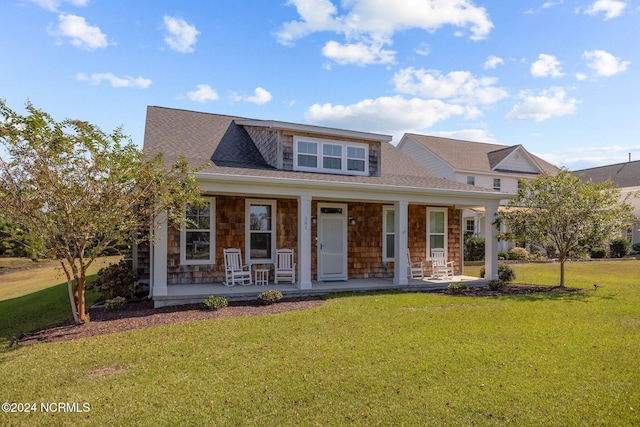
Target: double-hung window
x: 261, y: 231
x: 197, y: 237
x: 330, y: 156
x: 471, y: 226
x: 436, y: 229
x: 497, y: 184
x: 388, y: 233
x: 356, y: 159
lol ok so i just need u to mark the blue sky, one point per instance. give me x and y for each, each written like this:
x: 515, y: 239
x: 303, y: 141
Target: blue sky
x: 560, y: 77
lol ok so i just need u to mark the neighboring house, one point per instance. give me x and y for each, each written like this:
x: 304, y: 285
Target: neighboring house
x: 349, y: 203
x: 492, y: 166
x: 626, y: 176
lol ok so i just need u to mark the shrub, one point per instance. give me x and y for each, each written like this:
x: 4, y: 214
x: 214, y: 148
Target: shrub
x: 116, y: 303
x: 496, y: 285
x: 619, y: 247
x: 518, y: 254
x: 505, y: 273
x: 215, y: 302
x: 269, y: 297
x: 457, y: 287
x: 474, y: 249
x: 503, y: 255
x: 598, y: 253
x: 116, y: 280
x: 535, y: 255
x: 636, y: 247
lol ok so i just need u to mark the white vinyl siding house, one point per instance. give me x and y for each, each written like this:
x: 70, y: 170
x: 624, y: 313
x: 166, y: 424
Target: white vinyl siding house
x: 492, y: 166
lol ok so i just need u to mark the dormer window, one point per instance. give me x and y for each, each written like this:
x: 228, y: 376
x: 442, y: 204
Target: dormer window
x: 339, y: 157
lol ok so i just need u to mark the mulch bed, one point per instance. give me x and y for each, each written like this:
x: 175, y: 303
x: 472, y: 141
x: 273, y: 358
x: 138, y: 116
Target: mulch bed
x: 140, y: 315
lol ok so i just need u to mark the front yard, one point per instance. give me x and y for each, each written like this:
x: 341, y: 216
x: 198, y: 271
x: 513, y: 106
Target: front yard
x: 553, y: 359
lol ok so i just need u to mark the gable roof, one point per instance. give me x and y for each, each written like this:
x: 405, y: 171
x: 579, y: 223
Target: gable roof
x: 223, y: 146
x: 622, y: 174
x: 477, y: 156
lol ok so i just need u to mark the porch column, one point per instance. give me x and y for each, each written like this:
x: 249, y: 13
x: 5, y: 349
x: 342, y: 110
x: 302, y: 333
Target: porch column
x: 159, y: 256
x: 491, y: 243
x: 304, y: 242
x: 401, y: 242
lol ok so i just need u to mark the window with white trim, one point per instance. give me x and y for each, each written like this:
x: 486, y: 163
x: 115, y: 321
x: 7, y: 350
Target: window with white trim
x: 197, y: 237
x: 497, y: 184
x: 471, y: 226
x: 436, y: 229
x: 330, y: 156
x: 471, y: 180
x: 261, y: 231
x: 388, y: 233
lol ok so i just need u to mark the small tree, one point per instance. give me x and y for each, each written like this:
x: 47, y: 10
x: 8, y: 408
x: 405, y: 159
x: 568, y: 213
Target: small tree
x: 565, y: 215
x: 78, y: 192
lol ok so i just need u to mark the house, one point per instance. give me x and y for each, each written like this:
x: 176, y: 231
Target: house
x: 626, y: 176
x: 349, y: 204
x: 493, y: 166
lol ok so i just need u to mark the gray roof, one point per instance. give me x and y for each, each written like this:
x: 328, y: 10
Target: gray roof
x: 474, y: 156
x: 622, y: 174
x: 218, y: 142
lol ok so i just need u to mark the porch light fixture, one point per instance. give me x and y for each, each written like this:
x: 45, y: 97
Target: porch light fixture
x: 352, y: 220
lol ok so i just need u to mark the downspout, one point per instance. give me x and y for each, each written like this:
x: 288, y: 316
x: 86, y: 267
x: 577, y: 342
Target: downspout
x: 151, y: 261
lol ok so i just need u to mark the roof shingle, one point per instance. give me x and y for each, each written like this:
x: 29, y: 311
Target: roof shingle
x: 622, y: 174
x: 224, y: 147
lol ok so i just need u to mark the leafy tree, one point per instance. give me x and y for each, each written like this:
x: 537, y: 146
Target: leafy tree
x: 565, y: 215
x: 78, y: 192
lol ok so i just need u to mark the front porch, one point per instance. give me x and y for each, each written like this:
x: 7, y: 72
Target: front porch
x: 193, y: 294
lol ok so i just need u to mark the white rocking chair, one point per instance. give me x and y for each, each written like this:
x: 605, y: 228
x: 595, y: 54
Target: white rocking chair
x: 235, y: 272
x: 440, y: 267
x: 285, y: 267
x: 416, y: 268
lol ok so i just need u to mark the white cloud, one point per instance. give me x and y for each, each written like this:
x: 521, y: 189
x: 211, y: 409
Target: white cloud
x: 203, y: 93
x: 604, y: 63
x: 391, y: 115
x: 546, y: 66
x: 492, y: 62
x: 82, y: 35
x: 117, y: 82
x: 552, y: 3
x: 611, y: 8
x: 423, y: 49
x: 180, y: 35
x: 260, y: 96
x: 550, y: 103
x: 358, y: 53
x: 458, y: 86
x: 53, y: 5
x: 586, y: 157
x: 369, y: 25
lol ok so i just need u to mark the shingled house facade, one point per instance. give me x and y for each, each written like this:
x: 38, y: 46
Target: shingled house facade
x: 349, y: 203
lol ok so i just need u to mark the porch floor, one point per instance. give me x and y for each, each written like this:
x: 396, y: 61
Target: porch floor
x: 192, y: 294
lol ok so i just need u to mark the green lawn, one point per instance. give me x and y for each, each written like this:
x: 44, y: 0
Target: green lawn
x: 33, y: 297
x: 390, y: 358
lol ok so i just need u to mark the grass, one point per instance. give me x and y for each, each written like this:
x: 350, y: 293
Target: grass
x: 34, y: 298
x: 567, y: 359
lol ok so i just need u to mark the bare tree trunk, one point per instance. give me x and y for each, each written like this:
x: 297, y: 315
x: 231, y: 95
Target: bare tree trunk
x: 562, y: 261
x: 74, y: 309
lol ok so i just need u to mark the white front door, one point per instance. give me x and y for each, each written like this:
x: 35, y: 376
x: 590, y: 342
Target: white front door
x: 332, y: 241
